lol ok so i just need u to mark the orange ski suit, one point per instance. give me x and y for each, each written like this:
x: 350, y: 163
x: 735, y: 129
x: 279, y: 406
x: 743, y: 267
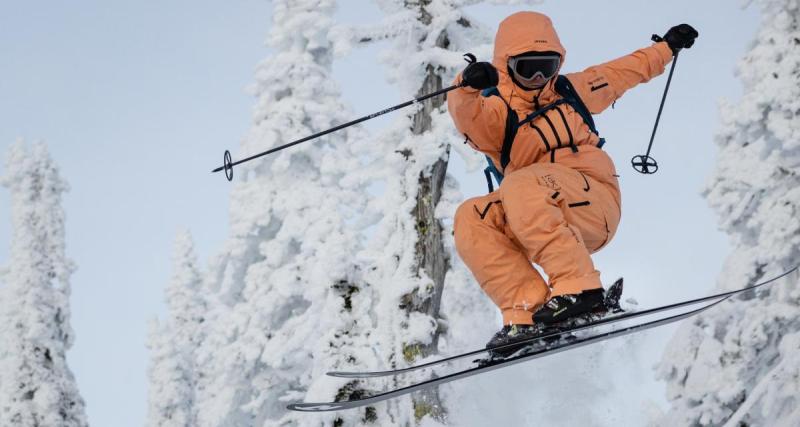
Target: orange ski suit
x: 560, y: 199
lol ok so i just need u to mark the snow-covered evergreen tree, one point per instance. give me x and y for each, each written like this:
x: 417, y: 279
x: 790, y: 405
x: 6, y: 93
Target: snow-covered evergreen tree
x: 425, y: 288
x: 297, y: 291
x: 289, y: 301
x: 173, y: 344
x: 739, y: 364
x: 37, y: 387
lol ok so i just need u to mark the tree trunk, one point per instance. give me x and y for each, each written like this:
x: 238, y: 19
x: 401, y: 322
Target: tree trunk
x: 432, y: 260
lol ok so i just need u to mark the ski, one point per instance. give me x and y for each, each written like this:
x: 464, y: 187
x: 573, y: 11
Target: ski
x: 615, y: 289
x: 496, y: 364
x: 558, y: 333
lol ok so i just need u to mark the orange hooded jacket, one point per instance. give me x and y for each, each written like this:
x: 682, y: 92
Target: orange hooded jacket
x: 531, y: 216
x: 482, y: 119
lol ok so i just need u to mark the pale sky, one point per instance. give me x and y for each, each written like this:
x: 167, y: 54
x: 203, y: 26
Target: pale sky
x: 137, y: 102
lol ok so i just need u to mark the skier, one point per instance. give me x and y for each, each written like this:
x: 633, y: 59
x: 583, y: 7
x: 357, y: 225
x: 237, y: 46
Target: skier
x: 559, y: 201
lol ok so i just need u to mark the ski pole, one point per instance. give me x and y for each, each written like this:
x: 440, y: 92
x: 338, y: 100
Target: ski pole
x: 644, y: 163
x: 228, y: 165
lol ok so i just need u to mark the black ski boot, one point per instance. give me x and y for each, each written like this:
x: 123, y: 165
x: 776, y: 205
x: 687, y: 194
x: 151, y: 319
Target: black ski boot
x: 561, y: 311
x: 566, y: 310
x: 509, y: 335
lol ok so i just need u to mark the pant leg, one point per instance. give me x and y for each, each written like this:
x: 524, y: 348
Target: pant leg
x: 553, y: 215
x: 497, y: 261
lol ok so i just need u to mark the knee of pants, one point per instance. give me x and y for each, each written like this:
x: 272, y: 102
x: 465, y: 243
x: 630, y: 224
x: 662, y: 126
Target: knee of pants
x: 463, y: 220
x: 476, y: 221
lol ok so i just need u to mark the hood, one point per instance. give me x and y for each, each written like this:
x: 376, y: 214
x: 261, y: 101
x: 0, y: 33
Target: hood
x: 519, y: 33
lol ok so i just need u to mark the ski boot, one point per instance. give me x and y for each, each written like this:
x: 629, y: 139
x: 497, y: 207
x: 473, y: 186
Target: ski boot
x: 558, y: 313
x: 509, y: 335
x: 587, y: 306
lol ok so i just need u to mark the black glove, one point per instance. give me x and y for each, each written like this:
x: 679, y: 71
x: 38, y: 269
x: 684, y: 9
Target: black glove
x: 479, y: 75
x: 680, y: 37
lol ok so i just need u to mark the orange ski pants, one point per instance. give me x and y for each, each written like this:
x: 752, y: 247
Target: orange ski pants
x: 545, y: 213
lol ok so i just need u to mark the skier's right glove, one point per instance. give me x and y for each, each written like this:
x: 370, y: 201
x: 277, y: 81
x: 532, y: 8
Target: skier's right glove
x: 479, y: 75
x: 680, y: 37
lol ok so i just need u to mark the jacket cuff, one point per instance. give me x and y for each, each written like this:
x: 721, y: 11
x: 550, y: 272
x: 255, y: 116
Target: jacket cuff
x: 466, y: 89
x: 664, y: 50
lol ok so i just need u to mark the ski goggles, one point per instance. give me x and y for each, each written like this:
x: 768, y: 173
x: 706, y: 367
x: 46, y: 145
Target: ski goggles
x: 531, y: 70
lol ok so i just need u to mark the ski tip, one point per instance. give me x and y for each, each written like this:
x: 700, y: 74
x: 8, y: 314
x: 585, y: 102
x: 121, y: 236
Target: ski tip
x: 314, y: 407
x: 338, y: 374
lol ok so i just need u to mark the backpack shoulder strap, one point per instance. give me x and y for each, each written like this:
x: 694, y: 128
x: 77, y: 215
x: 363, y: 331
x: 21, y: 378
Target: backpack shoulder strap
x: 512, y: 124
x: 564, y: 88
x: 492, y: 91
x: 510, y: 132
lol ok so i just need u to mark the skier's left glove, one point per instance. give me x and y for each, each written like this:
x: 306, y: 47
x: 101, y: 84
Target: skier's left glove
x: 479, y: 75
x: 680, y: 37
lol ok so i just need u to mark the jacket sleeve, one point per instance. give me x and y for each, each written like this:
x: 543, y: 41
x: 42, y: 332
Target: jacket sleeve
x: 599, y: 86
x: 481, y: 119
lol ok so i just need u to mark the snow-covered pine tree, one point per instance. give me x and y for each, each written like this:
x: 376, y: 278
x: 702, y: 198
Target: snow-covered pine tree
x: 173, y: 344
x: 38, y: 388
x: 289, y: 303
x: 739, y: 364
x: 413, y: 251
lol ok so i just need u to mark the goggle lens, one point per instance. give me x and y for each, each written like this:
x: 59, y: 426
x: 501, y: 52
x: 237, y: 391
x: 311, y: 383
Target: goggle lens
x: 528, y: 67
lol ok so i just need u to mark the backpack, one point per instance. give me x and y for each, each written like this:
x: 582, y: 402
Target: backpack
x: 569, y: 96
